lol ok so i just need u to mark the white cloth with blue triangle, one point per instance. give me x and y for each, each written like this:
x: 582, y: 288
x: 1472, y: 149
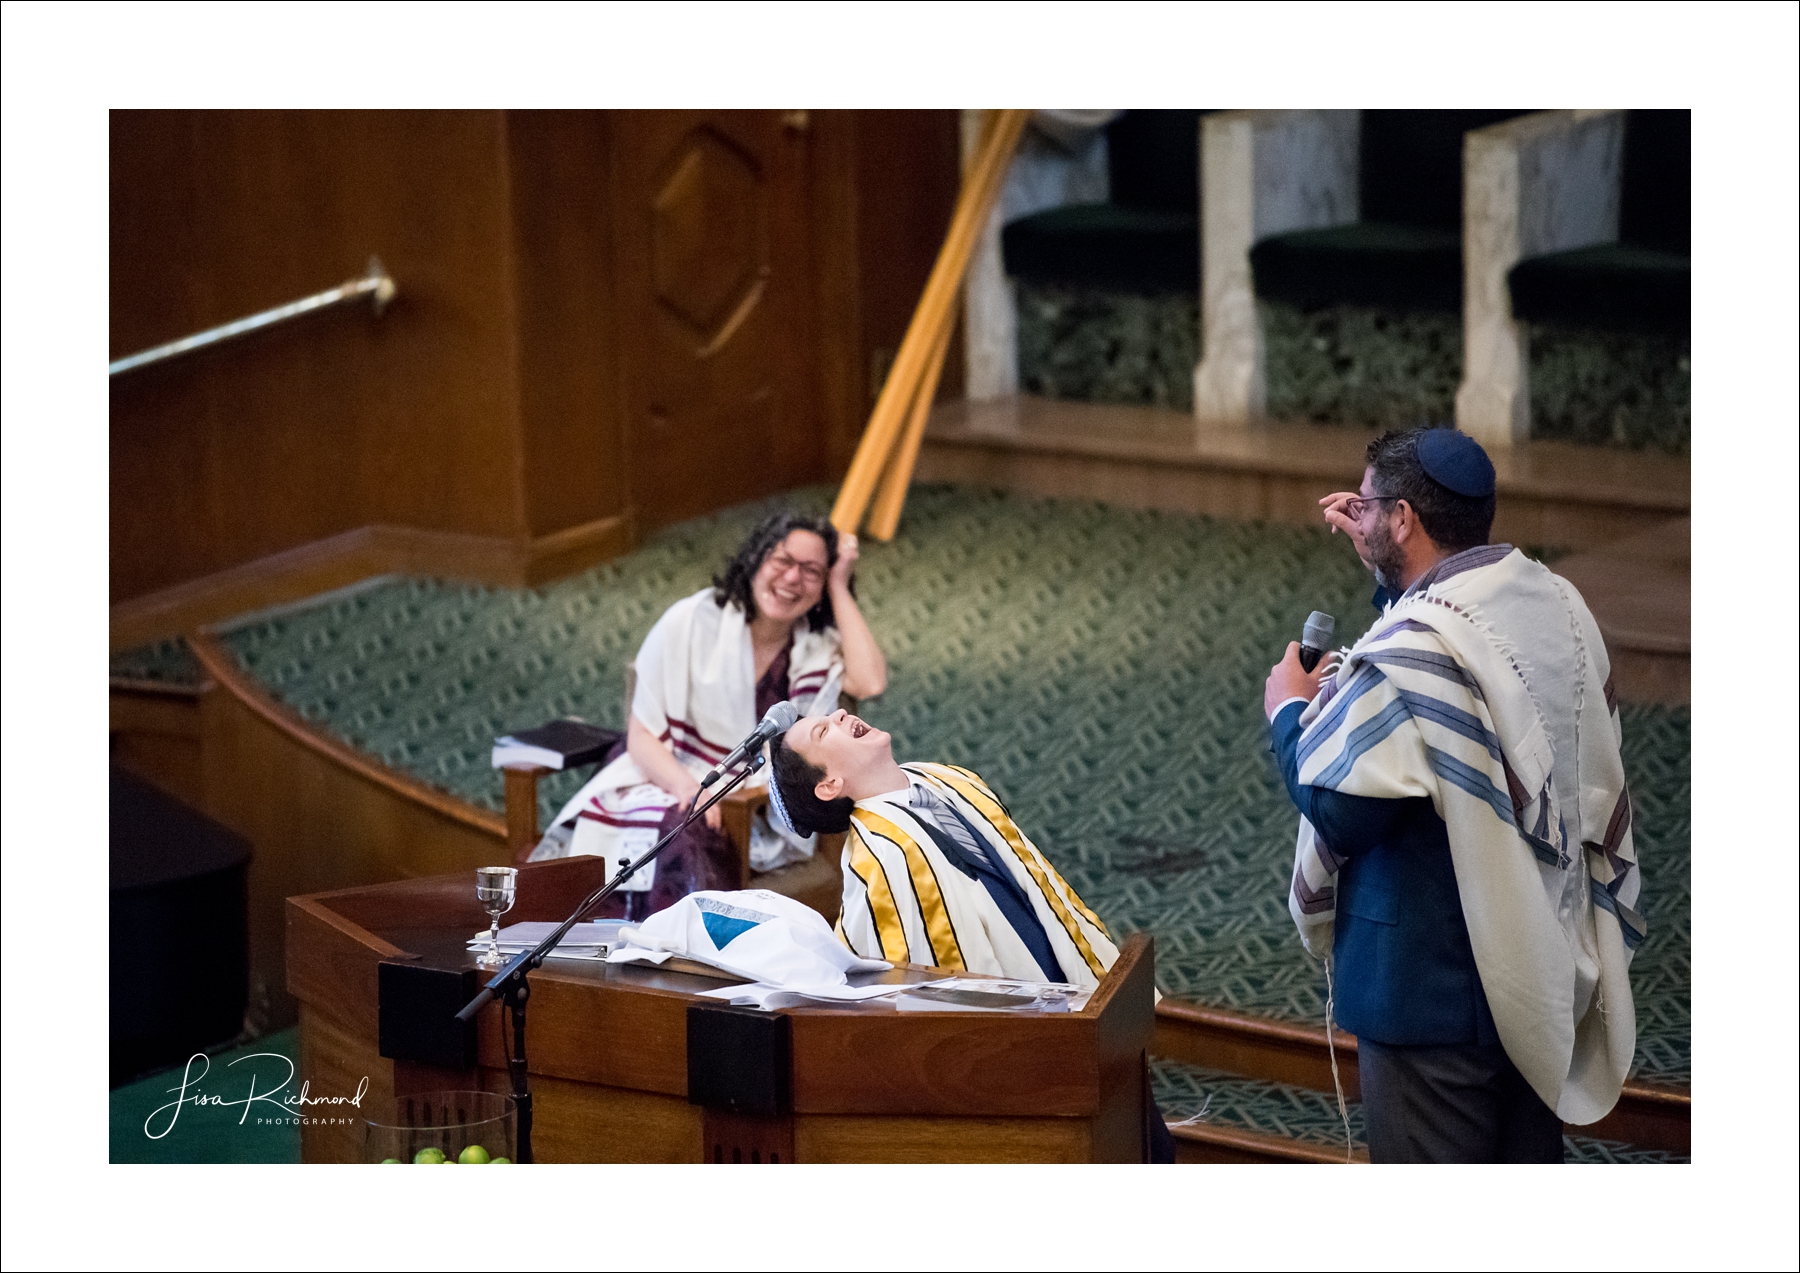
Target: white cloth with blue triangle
x: 755, y: 934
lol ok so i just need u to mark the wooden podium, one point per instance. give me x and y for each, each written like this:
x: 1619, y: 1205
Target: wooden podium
x: 379, y: 971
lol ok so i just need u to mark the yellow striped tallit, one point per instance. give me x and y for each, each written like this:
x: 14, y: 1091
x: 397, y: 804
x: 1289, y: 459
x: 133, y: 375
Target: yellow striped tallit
x: 1015, y: 837
x: 1055, y: 890
x: 878, y: 896
x: 943, y: 948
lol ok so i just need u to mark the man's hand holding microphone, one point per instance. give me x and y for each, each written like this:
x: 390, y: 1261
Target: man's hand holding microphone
x: 1302, y: 670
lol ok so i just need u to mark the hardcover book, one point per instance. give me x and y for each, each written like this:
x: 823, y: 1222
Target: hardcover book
x: 562, y: 744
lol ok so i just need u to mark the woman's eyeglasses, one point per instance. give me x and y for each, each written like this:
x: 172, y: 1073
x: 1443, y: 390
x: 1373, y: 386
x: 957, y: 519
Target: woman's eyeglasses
x: 1354, y: 507
x: 809, y: 571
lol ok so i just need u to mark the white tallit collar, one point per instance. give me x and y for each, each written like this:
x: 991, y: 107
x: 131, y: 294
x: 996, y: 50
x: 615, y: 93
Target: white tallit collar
x: 899, y: 795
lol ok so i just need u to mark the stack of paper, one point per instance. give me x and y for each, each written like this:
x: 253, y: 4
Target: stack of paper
x: 992, y: 994
x: 592, y: 940
x: 762, y: 995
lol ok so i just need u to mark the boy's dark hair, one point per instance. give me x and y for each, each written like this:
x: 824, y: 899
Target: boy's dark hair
x: 1453, y: 521
x: 797, y: 776
x: 734, y: 583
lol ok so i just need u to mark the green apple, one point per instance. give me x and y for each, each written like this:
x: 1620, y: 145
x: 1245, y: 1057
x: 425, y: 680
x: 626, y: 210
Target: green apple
x: 430, y: 1154
x: 501, y: 1159
x: 385, y: 1161
x: 474, y: 1153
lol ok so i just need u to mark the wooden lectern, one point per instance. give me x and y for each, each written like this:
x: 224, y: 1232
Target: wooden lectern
x: 628, y: 1064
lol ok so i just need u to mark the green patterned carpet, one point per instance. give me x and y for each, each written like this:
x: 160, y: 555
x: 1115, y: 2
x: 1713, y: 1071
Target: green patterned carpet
x: 1192, y: 1093
x: 1102, y: 667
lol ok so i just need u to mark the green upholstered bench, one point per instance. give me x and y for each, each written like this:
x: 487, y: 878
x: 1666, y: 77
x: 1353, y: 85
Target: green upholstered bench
x: 1613, y: 287
x: 1405, y: 253
x: 1381, y: 264
x: 1641, y: 283
x: 1146, y: 238
x: 1107, y: 246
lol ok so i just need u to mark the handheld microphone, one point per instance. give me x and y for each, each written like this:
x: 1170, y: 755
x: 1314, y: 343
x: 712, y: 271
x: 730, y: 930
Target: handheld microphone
x: 779, y: 719
x: 1315, y: 638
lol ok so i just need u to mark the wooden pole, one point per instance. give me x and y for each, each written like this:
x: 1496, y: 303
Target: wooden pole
x: 933, y: 313
x: 890, y: 497
x: 521, y: 809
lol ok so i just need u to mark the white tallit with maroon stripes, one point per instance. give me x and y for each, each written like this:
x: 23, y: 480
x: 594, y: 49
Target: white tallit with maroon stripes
x: 696, y: 690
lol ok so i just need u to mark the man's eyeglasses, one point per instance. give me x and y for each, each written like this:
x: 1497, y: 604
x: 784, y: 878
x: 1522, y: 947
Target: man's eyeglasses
x: 1354, y: 507
x: 808, y: 571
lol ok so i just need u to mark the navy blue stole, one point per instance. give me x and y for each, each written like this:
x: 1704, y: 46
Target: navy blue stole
x: 1000, y: 884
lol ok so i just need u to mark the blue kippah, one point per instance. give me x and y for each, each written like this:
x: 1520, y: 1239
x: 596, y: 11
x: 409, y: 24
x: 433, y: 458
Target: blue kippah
x: 1455, y: 460
x: 778, y: 809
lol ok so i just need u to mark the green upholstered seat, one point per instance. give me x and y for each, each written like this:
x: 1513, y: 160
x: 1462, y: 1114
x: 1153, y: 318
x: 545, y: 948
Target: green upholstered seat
x: 1103, y: 245
x: 1146, y: 238
x: 1613, y: 287
x: 1406, y: 252
x: 1382, y: 264
x: 1639, y: 284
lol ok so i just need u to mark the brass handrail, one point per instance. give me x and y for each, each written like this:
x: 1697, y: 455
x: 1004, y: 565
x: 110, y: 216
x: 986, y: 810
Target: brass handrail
x: 374, y: 283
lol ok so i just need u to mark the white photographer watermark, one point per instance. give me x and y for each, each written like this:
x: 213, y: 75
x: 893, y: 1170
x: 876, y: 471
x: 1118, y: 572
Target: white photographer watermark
x: 272, y: 1107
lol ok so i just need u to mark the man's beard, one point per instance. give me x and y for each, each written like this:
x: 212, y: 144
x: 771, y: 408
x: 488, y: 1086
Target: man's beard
x: 1385, y: 554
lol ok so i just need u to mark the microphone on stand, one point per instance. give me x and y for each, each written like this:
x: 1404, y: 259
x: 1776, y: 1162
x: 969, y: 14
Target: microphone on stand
x: 1315, y: 638
x: 778, y: 720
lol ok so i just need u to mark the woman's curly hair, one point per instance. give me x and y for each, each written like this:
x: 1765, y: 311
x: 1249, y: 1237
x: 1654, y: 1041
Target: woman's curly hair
x: 734, y: 583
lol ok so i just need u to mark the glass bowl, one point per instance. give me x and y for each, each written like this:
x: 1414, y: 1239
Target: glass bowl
x: 442, y: 1127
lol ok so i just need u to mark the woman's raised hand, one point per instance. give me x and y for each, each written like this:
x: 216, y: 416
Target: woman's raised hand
x: 845, y: 566
x: 865, y: 669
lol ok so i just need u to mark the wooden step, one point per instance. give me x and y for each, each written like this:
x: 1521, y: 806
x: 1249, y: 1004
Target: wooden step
x: 1208, y: 1143
x: 1551, y: 493
x: 1648, y: 1115
x: 1640, y: 591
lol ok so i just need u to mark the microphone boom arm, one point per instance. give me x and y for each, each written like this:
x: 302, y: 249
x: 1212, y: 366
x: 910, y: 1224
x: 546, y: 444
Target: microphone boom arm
x: 510, y: 986
x: 778, y: 719
x: 533, y: 958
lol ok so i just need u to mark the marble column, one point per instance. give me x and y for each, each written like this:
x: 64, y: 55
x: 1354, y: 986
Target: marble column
x: 990, y: 316
x: 1262, y: 173
x: 1061, y: 160
x: 1541, y: 183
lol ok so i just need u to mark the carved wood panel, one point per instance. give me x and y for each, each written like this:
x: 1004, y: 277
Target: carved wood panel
x: 715, y: 275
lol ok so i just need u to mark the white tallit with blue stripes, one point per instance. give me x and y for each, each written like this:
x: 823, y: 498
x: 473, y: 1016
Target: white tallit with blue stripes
x: 1488, y: 690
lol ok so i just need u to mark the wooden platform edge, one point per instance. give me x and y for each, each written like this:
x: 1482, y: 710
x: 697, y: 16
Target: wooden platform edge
x: 224, y: 671
x: 1285, y: 448
x: 1212, y: 1143
x: 134, y: 687
x: 366, y: 552
x: 1648, y: 1115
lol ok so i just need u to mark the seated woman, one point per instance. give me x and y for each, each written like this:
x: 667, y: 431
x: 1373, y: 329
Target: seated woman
x: 781, y: 622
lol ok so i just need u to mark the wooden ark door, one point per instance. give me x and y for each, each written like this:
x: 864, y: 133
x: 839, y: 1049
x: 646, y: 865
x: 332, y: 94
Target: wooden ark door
x: 717, y: 332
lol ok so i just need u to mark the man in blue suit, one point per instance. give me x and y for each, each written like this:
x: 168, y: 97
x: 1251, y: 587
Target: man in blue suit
x: 1437, y: 1084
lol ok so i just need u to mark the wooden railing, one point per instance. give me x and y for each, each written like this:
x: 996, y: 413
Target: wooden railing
x: 890, y: 443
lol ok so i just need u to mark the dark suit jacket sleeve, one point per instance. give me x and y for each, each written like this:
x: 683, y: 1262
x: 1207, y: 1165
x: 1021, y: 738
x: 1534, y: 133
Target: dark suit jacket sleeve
x: 1349, y: 824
